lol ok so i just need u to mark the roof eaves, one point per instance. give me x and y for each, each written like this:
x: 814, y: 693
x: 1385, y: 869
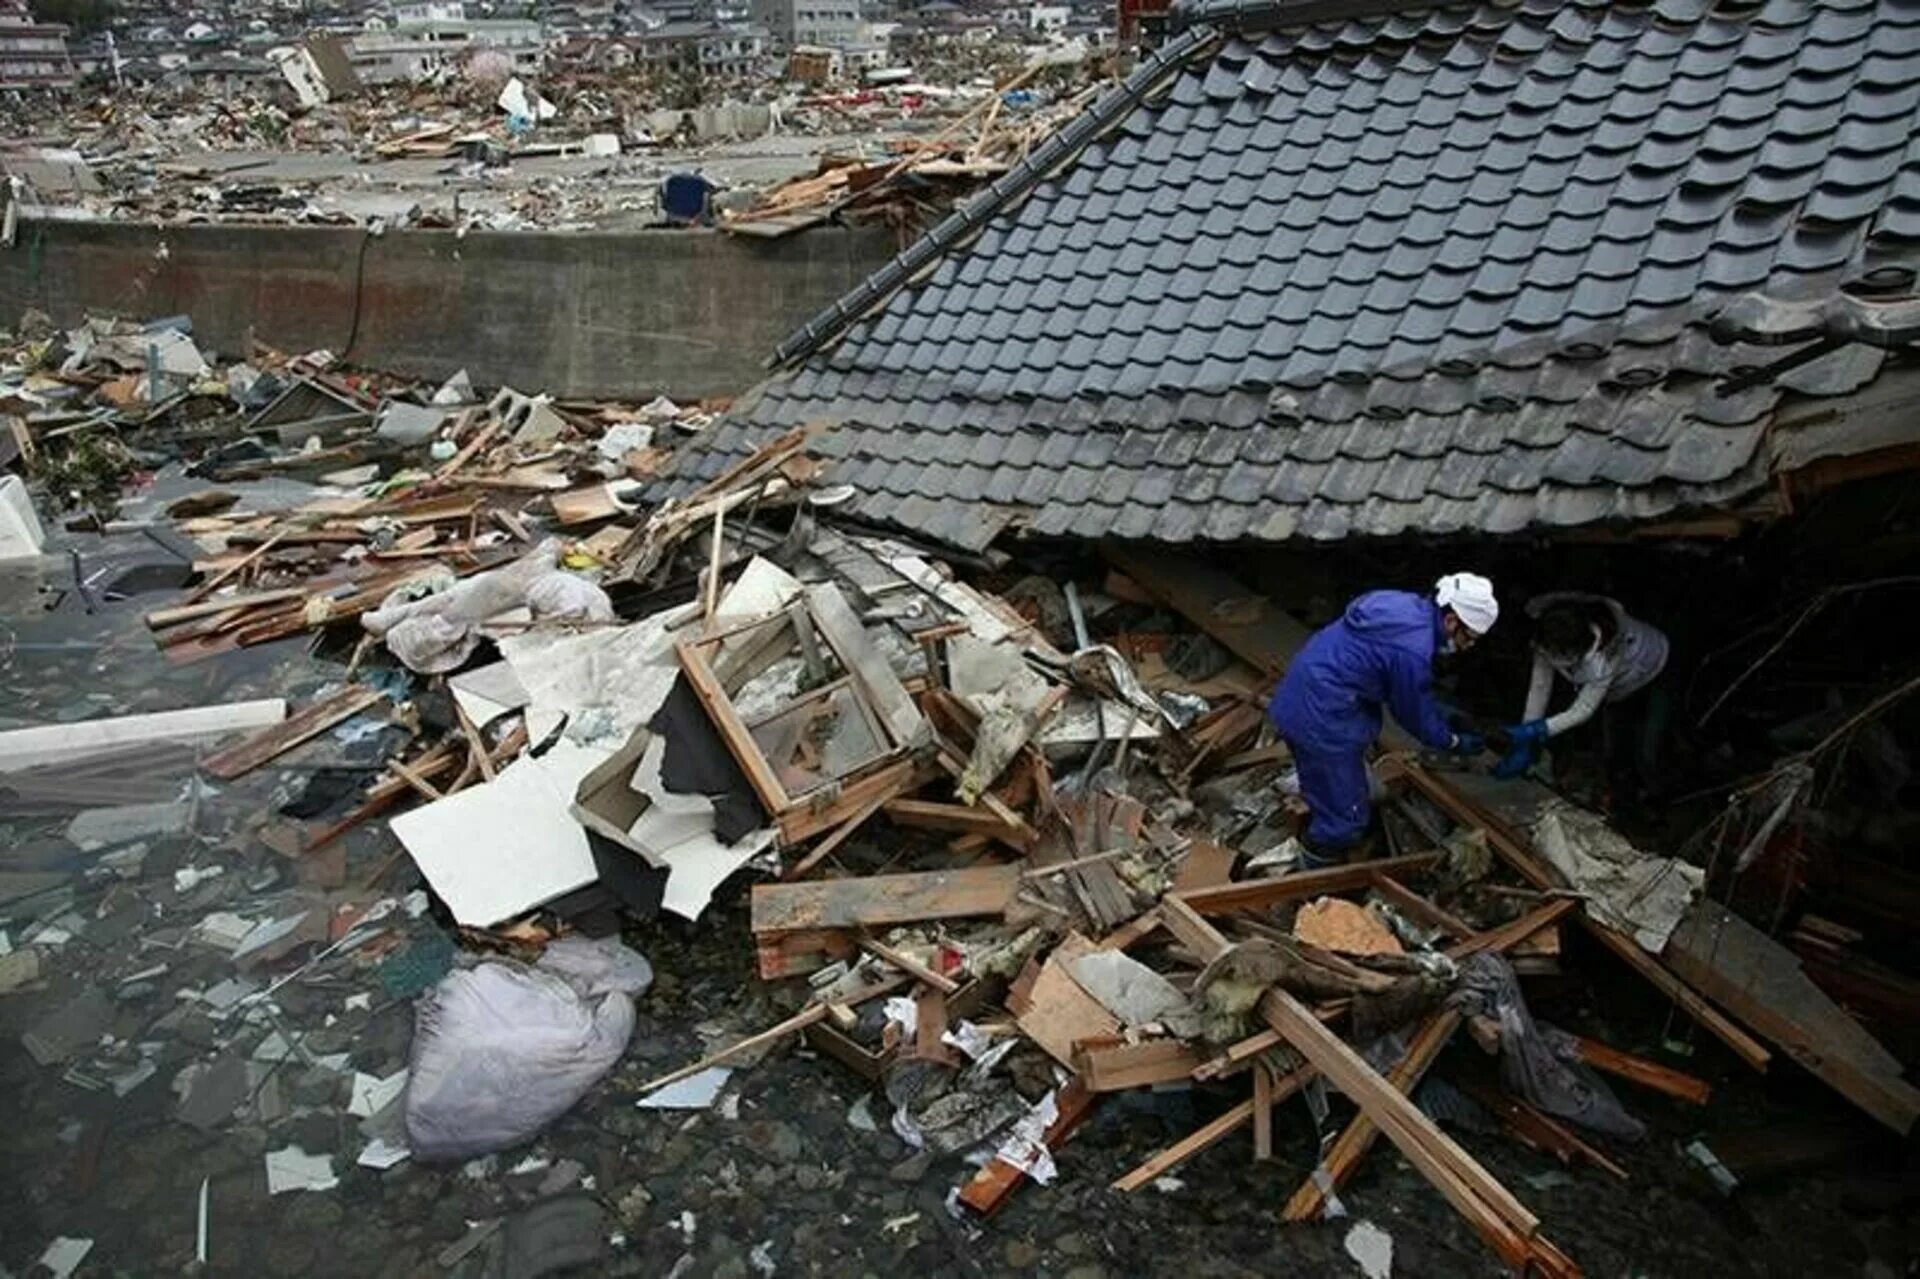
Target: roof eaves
x: 1002, y: 192
x: 1267, y: 15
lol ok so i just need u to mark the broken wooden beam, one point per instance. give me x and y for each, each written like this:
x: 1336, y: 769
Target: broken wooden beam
x: 881, y: 900
x: 1517, y: 853
x: 990, y: 1187
x: 1648, y: 1074
x: 1111, y: 1064
x: 921, y: 814
x: 1259, y: 893
x: 304, y: 725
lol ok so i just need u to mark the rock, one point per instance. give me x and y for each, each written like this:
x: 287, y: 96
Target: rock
x: 912, y: 1168
x: 1073, y: 1245
x: 809, y: 1177
x: 1020, y: 1254
x: 780, y: 1143
x: 1087, y: 1272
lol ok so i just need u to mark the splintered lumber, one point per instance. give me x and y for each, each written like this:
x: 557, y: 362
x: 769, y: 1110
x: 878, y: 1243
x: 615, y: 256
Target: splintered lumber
x: 1763, y: 984
x: 838, y: 836
x: 1112, y: 1064
x: 232, y: 570
x: 922, y: 814
x: 308, y: 723
x: 1488, y: 1206
x: 1419, y: 908
x: 910, y: 966
x: 1342, y: 1159
x: 882, y: 900
x: 1130, y: 932
x: 1262, y: 1113
x: 1259, y: 893
x: 1351, y: 1147
x: 161, y: 618
x: 1230, y: 1058
x: 1540, y: 1131
x: 993, y: 1184
x: 1648, y: 1074
x: 772, y: 1034
x: 1209, y: 1134
x: 1519, y: 854
x: 1244, y: 623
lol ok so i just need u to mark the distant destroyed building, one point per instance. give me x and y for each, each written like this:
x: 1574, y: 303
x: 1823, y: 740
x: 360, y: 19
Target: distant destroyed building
x: 33, y: 55
x: 423, y: 39
x: 831, y: 24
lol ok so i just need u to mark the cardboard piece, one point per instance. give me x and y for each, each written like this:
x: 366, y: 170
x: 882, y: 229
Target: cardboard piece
x: 499, y: 849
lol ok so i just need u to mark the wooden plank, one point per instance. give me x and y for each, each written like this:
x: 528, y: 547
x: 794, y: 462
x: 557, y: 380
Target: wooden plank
x: 1258, y: 893
x: 1343, y: 1158
x: 1132, y: 931
x: 1648, y: 1074
x: 1234, y: 1054
x: 1538, y: 1130
x: 886, y: 780
x: 1208, y: 1134
x: 1246, y: 624
x: 922, y: 814
x: 1207, y: 864
x: 1519, y: 854
x: 838, y: 836
x: 1488, y: 1206
x: 1762, y: 982
x: 161, y: 618
x: 221, y: 578
x: 1419, y: 908
x: 871, y: 672
x: 772, y: 1034
x: 879, y: 900
x: 726, y: 721
x: 1173, y: 1156
x: 1262, y: 1113
x: 909, y: 965
x: 990, y: 1188
x: 304, y: 725
x: 1112, y: 1065
x: 1052, y: 1010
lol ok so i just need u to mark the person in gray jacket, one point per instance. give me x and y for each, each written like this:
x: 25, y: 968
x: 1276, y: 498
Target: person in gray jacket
x: 1607, y: 655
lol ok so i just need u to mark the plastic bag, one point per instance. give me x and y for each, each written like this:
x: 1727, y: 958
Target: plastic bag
x: 566, y: 596
x: 440, y: 631
x: 501, y: 1050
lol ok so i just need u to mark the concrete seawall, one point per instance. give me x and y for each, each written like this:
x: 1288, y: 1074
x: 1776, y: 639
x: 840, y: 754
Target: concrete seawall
x: 631, y: 314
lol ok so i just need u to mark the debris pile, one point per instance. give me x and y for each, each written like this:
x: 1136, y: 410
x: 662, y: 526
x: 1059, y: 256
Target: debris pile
x: 1018, y: 841
x: 584, y: 150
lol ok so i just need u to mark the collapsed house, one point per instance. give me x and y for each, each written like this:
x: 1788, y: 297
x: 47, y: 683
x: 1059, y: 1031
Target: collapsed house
x: 1475, y: 269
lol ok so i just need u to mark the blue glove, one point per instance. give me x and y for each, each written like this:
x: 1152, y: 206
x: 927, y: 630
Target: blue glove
x: 1532, y: 733
x: 1517, y: 761
x: 1465, y: 743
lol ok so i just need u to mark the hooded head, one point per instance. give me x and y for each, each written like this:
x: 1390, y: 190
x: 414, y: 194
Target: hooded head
x: 1470, y: 607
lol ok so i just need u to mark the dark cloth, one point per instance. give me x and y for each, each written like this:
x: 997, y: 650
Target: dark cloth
x: 697, y: 762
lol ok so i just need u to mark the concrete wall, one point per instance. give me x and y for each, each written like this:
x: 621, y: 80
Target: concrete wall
x: 632, y: 314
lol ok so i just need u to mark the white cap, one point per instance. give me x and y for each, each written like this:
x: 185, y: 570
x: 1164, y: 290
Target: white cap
x: 1470, y: 596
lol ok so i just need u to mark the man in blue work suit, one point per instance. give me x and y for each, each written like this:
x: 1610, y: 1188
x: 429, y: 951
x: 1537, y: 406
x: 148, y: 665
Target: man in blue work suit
x: 1378, y: 654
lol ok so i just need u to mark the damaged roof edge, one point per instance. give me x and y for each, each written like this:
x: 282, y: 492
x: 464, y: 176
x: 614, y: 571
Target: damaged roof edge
x: 1266, y: 15
x: 976, y: 213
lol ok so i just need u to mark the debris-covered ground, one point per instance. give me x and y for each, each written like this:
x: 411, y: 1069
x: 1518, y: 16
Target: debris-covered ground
x: 428, y: 853
x: 592, y: 157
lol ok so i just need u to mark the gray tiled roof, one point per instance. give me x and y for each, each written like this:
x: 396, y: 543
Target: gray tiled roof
x: 1428, y: 272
